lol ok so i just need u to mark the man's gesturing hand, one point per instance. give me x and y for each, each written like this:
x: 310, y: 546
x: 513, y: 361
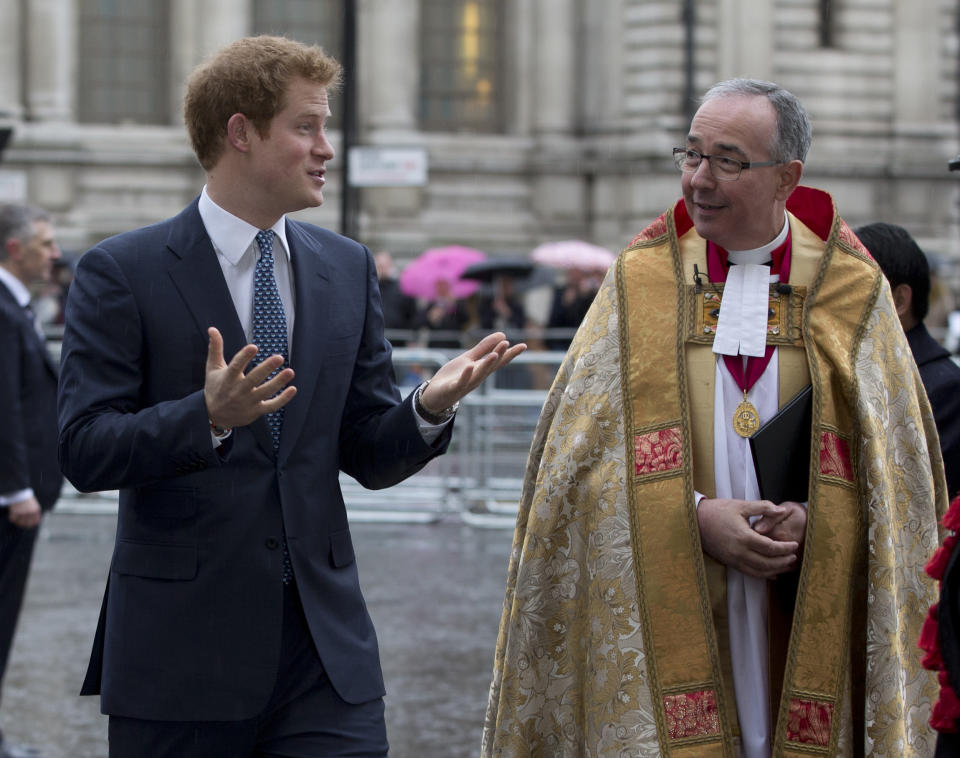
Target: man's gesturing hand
x: 460, y: 376
x: 237, y: 399
x: 726, y: 534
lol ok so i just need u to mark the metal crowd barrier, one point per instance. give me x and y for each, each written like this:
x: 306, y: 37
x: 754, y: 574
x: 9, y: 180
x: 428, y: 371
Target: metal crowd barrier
x: 478, y: 481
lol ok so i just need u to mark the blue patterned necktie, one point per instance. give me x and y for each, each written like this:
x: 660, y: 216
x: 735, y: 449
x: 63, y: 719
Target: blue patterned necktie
x: 270, y: 337
x: 269, y: 321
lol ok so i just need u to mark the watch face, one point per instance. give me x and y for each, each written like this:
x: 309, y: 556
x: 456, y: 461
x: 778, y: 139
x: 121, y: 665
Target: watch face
x: 434, y: 418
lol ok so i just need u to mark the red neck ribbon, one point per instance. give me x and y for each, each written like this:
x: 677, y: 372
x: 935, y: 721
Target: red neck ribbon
x: 717, y: 267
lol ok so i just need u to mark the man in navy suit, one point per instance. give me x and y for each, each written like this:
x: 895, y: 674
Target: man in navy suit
x: 30, y: 479
x: 233, y: 622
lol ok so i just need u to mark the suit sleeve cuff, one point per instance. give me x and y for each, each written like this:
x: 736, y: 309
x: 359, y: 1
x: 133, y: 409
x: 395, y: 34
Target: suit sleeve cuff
x: 9, y: 498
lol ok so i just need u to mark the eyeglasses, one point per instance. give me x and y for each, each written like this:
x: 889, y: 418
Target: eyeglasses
x: 724, y: 169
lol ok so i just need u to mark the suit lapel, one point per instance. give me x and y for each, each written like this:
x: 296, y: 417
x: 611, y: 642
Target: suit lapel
x: 32, y: 328
x: 49, y: 360
x: 197, y: 275
x: 310, y: 282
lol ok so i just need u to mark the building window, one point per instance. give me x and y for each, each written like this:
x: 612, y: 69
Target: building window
x: 460, y: 43
x: 313, y: 22
x: 123, y: 51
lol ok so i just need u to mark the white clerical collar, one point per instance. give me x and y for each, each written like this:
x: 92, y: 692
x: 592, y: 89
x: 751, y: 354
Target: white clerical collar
x: 760, y: 254
x: 232, y: 236
x: 742, y: 323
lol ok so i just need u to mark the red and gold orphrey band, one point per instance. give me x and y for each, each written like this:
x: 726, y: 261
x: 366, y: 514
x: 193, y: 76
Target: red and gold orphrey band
x: 669, y: 561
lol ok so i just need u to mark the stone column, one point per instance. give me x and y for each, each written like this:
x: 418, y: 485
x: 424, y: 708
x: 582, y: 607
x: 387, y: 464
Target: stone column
x: 560, y: 184
x: 51, y: 45
x: 11, y: 104
x: 744, y: 39
x: 917, y: 65
x: 555, y: 80
x: 389, y: 64
x: 602, y: 59
x: 198, y: 28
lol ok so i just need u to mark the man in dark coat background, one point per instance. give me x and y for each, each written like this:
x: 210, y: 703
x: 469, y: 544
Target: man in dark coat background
x: 30, y: 478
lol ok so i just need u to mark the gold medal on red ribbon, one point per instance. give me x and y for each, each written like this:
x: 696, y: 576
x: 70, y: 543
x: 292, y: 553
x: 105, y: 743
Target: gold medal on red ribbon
x: 746, y: 420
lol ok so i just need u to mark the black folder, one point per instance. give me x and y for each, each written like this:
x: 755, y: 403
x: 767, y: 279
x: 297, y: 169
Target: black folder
x: 781, y: 451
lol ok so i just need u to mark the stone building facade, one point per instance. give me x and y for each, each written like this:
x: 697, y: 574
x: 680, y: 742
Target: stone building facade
x: 539, y: 119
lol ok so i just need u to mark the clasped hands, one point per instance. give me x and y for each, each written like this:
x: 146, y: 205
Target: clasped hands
x: 235, y: 398
x: 771, y: 546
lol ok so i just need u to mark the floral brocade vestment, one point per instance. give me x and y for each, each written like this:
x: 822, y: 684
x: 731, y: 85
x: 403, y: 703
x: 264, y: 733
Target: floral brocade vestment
x: 609, y: 645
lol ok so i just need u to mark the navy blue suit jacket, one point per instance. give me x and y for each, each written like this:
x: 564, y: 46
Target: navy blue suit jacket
x: 28, y: 408
x: 191, y: 619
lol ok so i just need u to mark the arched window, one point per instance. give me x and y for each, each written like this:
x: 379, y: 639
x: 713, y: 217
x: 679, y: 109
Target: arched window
x: 123, y: 53
x: 460, y: 65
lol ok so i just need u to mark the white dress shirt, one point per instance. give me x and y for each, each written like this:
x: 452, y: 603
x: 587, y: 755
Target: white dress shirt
x: 235, y: 242
x: 735, y: 478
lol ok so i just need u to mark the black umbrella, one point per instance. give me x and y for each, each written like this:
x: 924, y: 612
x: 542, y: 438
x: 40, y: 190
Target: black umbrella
x: 490, y: 269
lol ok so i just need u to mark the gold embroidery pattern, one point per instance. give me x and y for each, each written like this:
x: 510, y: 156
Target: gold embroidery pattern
x: 809, y: 722
x: 783, y: 316
x: 657, y: 229
x: 846, y: 236
x: 658, y: 451
x: 902, y: 534
x: 571, y: 578
x: 692, y: 714
x: 835, y: 456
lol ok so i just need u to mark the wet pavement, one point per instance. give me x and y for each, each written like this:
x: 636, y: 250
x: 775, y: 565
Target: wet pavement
x: 434, y: 591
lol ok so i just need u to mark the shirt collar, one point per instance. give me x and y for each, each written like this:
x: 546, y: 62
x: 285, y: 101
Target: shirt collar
x: 760, y: 254
x: 17, y: 288
x: 232, y: 236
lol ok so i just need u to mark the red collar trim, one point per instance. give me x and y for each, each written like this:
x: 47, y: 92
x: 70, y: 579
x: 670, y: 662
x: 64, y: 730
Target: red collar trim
x: 717, y: 265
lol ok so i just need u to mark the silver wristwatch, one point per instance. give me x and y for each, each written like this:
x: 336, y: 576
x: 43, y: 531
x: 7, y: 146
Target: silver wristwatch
x: 433, y: 418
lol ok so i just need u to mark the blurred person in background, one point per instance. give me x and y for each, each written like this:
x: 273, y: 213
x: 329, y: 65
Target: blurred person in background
x: 441, y: 319
x: 907, y: 270
x: 571, y: 301
x: 30, y: 477
x: 503, y: 307
x: 399, y: 309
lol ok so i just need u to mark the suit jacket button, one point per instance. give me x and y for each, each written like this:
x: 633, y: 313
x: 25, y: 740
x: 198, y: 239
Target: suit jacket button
x: 272, y: 543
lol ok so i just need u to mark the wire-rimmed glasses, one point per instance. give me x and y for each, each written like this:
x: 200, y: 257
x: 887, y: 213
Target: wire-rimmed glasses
x: 723, y: 168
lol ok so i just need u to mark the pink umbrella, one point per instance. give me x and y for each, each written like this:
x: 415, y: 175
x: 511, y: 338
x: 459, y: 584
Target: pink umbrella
x: 419, y: 278
x: 573, y: 254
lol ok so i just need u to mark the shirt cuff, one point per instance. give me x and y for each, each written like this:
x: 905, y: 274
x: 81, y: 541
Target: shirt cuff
x: 10, y: 498
x: 221, y: 437
x: 429, y: 432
